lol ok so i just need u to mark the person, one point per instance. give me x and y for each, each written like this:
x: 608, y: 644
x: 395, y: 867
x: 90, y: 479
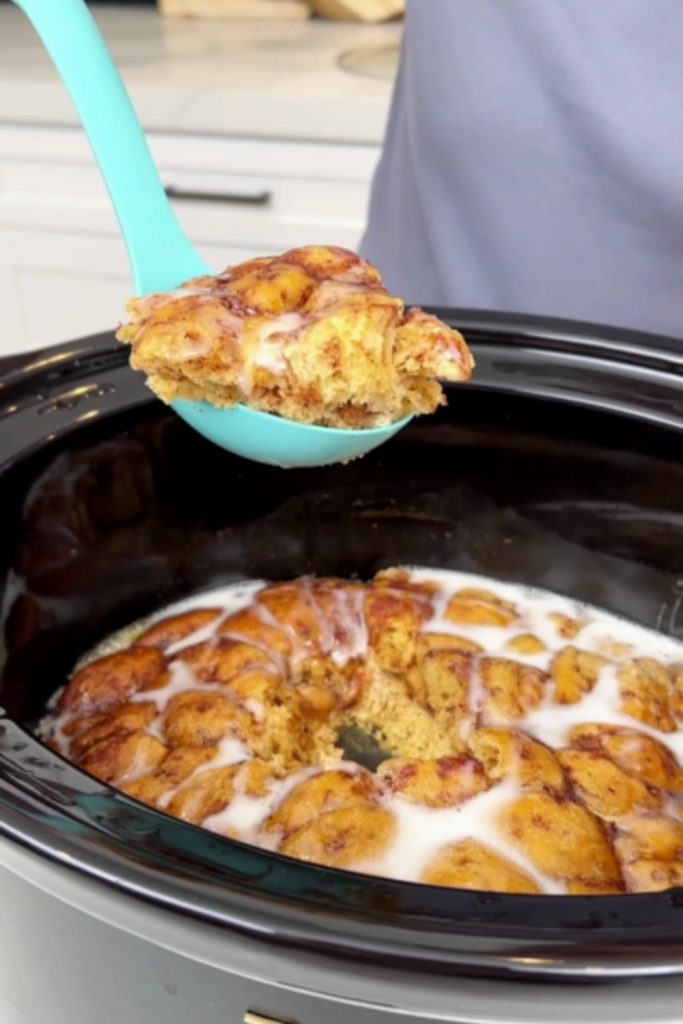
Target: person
x: 533, y: 160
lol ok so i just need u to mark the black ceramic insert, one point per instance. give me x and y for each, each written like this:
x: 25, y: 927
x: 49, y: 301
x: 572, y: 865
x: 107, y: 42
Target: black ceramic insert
x: 559, y: 466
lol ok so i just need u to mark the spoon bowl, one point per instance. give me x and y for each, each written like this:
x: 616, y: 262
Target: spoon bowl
x: 262, y: 437
x: 160, y: 254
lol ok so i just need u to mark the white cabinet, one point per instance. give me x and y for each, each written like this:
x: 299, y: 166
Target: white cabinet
x: 56, y: 285
x: 63, y: 267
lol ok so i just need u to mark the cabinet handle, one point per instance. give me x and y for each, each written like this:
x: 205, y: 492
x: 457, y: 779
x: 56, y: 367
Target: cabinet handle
x: 245, y: 198
x: 256, y: 1018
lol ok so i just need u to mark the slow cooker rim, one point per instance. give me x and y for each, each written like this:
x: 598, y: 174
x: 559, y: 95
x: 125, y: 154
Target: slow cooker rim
x: 61, y: 364
x: 480, y: 324
x: 625, y: 372
x: 456, y: 917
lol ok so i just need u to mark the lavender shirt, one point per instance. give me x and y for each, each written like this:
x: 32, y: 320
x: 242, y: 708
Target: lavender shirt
x: 534, y: 160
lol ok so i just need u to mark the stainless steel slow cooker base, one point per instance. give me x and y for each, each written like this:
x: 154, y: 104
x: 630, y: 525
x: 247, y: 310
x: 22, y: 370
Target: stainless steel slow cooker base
x: 81, y: 952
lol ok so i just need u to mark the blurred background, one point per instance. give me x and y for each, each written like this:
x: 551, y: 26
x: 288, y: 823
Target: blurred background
x: 265, y: 117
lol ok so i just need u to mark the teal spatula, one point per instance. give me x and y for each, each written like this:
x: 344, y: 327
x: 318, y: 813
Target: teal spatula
x: 160, y: 253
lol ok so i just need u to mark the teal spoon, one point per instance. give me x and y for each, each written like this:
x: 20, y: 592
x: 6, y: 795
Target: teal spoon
x: 160, y: 253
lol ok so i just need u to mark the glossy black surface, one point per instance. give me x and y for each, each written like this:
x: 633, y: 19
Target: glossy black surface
x: 560, y: 466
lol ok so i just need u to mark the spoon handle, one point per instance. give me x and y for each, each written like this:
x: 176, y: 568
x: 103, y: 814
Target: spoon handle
x: 160, y: 253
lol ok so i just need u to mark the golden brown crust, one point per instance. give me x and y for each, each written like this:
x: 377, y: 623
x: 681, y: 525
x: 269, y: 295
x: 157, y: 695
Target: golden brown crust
x: 311, y: 335
x: 564, y: 841
x: 211, y: 791
x: 509, y: 754
x: 344, y: 837
x: 175, y: 768
x: 474, y: 607
x: 510, y: 689
x: 442, y: 782
x: 175, y: 628
x: 122, y: 755
x: 120, y: 721
x: 206, y: 795
x: 112, y: 680
x: 329, y: 791
x: 470, y: 865
x: 632, y: 751
x: 202, y: 719
x: 525, y: 643
x: 249, y: 715
x: 604, y: 788
x: 647, y: 689
x: 574, y: 673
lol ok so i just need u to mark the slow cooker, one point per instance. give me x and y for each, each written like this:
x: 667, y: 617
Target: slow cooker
x: 559, y: 466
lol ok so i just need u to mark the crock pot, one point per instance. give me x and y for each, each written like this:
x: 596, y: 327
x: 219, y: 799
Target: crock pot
x: 559, y: 466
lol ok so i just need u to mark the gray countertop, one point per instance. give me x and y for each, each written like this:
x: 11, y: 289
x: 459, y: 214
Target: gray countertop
x: 248, y: 78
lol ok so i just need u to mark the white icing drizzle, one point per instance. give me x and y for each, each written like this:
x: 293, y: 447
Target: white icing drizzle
x: 275, y: 664
x: 552, y: 722
x: 351, y: 640
x: 534, y: 606
x: 245, y: 815
x: 54, y: 729
x: 269, y: 350
x: 229, y: 599
x: 425, y: 831
x: 229, y: 751
x: 255, y: 709
x: 182, y: 680
x: 200, y: 636
x: 338, y: 291
x: 299, y: 650
x: 476, y: 690
x: 422, y: 832
x: 137, y: 769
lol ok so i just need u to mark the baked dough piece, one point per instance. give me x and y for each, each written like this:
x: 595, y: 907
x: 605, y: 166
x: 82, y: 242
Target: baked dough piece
x: 233, y: 721
x: 311, y: 335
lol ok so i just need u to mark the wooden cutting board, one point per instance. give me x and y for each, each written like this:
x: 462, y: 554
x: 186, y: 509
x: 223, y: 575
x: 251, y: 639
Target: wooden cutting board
x: 277, y: 10
x: 358, y: 10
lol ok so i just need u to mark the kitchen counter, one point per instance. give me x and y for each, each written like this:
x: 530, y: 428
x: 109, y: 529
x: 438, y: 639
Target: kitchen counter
x: 264, y: 79
x: 231, y: 109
